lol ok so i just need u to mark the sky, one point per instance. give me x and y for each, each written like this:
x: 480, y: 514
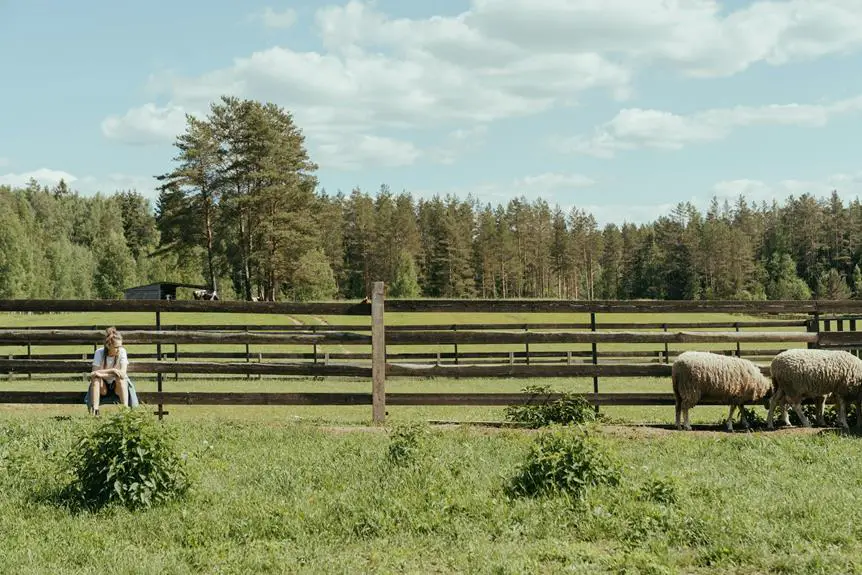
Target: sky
x: 620, y: 107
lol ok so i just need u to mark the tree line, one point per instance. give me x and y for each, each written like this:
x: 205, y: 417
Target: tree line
x: 241, y: 210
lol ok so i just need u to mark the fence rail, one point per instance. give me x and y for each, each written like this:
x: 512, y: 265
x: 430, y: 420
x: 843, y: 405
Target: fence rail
x: 774, y: 328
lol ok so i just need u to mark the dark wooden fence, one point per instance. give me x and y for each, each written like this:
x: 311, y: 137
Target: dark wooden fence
x: 777, y: 325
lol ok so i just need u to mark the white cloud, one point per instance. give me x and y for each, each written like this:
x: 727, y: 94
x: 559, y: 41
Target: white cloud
x: 363, y: 150
x: 85, y: 185
x: 272, y: 18
x: 44, y: 176
x: 847, y: 185
x: 552, y: 187
x: 635, y: 128
x: 377, y: 75
x: 146, y: 125
x: 552, y: 182
x: 696, y: 36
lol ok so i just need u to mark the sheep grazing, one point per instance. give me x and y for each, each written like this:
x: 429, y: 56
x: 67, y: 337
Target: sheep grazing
x: 799, y: 374
x: 700, y: 374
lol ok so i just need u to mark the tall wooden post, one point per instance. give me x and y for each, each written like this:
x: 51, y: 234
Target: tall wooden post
x: 378, y: 355
x: 159, y: 378
x: 595, y: 357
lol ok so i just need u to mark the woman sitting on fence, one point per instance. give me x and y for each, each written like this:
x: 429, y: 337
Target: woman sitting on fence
x: 109, y: 375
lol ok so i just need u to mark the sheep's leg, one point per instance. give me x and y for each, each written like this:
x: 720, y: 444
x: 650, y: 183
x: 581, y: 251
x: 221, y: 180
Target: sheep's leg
x: 729, y: 423
x: 797, y: 407
x: 842, y: 412
x: 785, y: 414
x: 686, y: 424
x: 821, y: 408
x: 773, y: 401
x: 742, y: 419
x: 858, y: 413
x: 678, y: 408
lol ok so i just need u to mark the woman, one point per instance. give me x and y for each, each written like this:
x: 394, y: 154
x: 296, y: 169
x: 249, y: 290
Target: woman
x: 109, y: 375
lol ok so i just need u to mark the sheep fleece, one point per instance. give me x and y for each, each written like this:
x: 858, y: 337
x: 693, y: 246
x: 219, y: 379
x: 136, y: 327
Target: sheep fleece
x: 815, y: 372
x: 699, y: 374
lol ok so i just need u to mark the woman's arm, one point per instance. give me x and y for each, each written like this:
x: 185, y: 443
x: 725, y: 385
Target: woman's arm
x: 122, y: 364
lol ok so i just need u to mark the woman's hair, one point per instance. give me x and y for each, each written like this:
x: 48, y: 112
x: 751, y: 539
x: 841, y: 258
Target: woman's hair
x: 113, y: 338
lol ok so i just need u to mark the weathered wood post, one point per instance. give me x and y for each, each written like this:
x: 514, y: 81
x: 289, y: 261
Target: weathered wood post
x: 813, y: 326
x: 378, y: 355
x: 159, y: 377
x: 176, y: 355
x: 738, y: 348
x: 595, y: 358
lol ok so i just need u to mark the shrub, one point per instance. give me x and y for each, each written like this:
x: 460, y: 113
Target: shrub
x: 405, y: 443
x: 540, y: 411
x: 659, y: 490
x: 564, y: 461
x: 128, y: 459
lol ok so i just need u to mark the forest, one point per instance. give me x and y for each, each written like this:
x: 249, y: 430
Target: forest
x: 241, y: 210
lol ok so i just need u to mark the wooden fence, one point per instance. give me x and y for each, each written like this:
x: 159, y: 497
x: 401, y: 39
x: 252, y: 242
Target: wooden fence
x: 778, y: 325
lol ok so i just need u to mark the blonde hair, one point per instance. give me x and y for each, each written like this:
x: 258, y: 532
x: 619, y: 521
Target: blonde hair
x: 113, y: 338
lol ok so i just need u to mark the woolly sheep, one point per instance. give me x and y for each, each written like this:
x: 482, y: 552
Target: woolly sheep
x: 697, y: 374
x: 805, y: 373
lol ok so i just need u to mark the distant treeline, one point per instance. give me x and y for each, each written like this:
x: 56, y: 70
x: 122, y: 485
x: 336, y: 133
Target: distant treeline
x: 241, y: 211
x: 55, y: 243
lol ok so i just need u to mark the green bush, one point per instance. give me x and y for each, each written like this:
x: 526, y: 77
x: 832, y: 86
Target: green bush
x: 129, y: 459
x: 405, y: 443
x: 540, y: 411
x: 660, y: 490
x: 564, y: 461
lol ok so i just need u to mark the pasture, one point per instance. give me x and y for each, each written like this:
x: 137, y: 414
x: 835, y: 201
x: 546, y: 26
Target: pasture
x: 309, y: 489
x: 285, y: 497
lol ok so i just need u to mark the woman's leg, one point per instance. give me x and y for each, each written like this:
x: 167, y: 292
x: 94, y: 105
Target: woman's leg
x: 121, y: 388
x: 97, y: 390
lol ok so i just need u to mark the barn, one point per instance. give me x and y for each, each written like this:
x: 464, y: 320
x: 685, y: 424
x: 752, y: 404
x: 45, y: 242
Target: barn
x: 160, y: 290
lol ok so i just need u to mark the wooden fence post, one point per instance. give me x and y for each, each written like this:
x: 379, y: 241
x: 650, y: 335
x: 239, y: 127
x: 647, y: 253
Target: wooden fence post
x: 666, y: 351
x: 738, y: 348
x: 247, y: 355
x: 176, y: 356
x: 595, y: 358
x: 378, y: 355
x: 813, y: 326
x: 159, y: 378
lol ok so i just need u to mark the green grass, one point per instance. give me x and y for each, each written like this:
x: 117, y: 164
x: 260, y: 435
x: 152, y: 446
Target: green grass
x: 278, y: 497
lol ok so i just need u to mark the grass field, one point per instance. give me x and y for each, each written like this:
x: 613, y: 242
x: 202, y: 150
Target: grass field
x: 299, y: 489
x: 352, y: 415
x: 277, y: 497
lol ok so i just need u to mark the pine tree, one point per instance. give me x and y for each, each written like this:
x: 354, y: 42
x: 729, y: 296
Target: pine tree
x: 406, y: 281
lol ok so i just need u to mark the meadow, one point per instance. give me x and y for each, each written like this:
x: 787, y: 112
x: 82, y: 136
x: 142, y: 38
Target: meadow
x: 281, y: 497
x: 299, y: 489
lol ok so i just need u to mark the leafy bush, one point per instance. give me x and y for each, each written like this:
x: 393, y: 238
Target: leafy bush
x: 564, y: 462
x: 540, y: 411
x: 660, y: 490
x: 405, y: 443
x: 830, y: 415
x: 129, y: 459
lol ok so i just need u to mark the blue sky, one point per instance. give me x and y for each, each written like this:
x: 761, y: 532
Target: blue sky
x: 622, y: 107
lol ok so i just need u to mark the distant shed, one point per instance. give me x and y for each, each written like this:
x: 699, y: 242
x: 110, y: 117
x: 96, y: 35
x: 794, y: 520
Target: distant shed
x: 160, y: 290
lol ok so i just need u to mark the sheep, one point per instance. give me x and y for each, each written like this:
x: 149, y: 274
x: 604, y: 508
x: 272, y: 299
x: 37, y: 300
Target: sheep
x: 815, y: 373
x: 697, y: 374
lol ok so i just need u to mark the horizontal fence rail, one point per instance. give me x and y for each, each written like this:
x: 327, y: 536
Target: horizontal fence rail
x: 66, y: 337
